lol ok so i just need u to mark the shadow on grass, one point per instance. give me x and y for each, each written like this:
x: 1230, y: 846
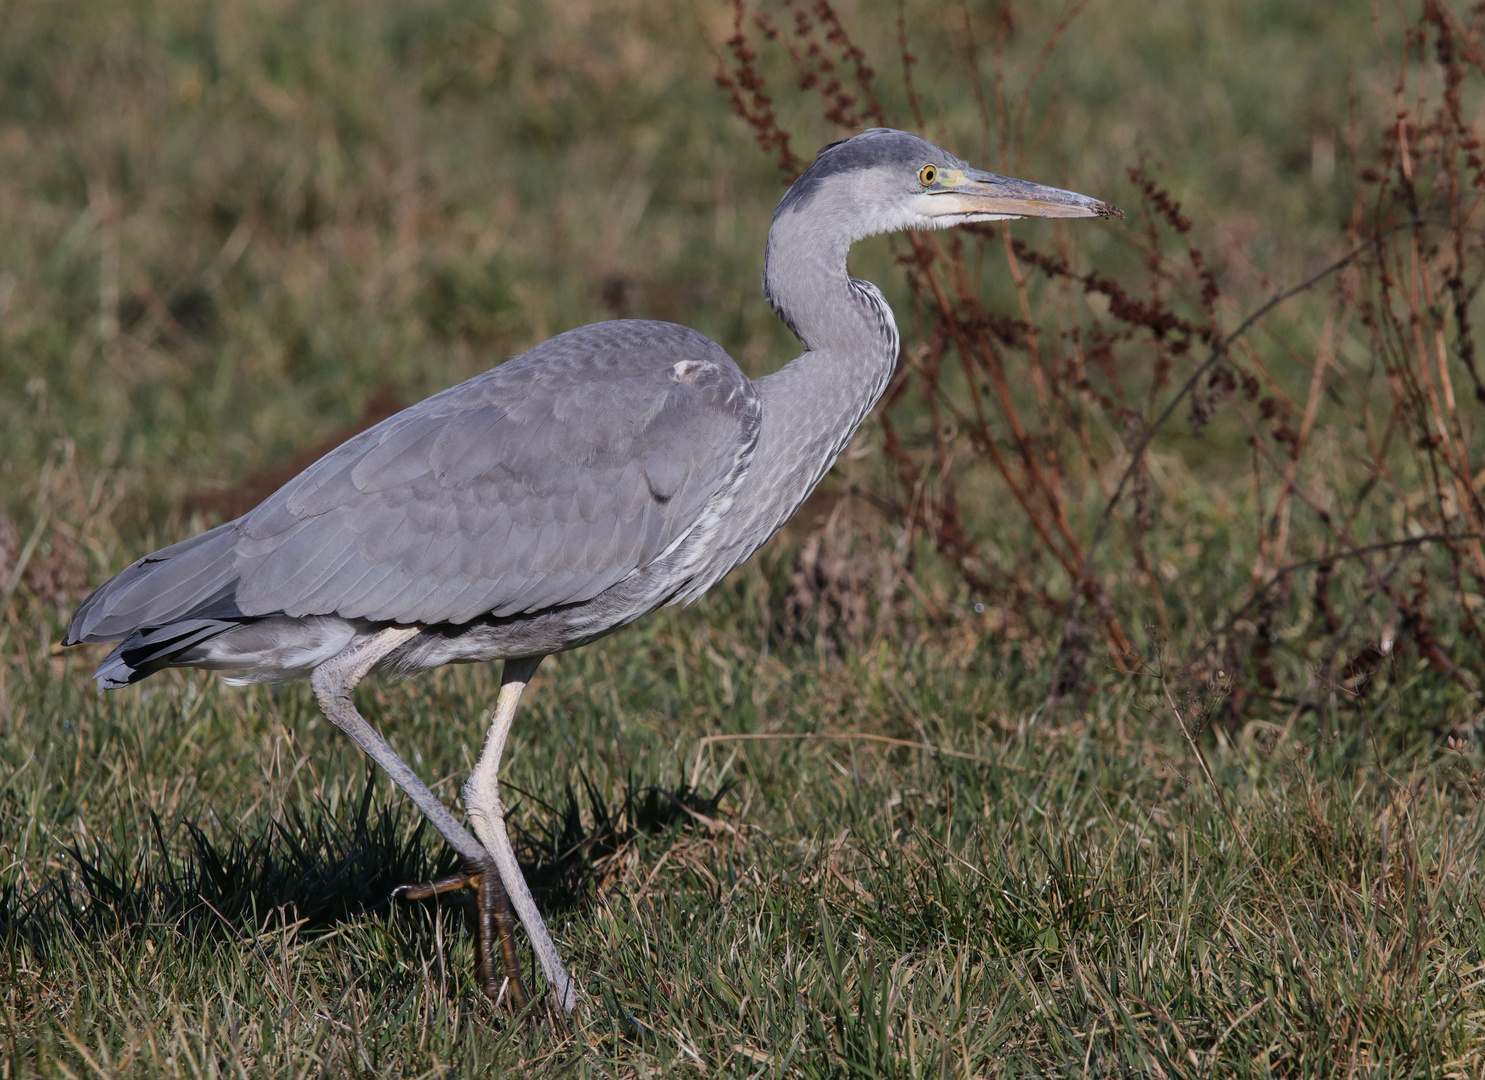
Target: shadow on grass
x: 319, y: 871
x: 565, y: 853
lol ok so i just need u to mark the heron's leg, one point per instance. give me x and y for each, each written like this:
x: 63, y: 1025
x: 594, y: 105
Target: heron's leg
x: 482, y: 803
x: 333, y: 682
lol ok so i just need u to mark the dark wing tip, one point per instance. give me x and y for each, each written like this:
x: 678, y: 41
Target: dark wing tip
x: 1107, y: 210
x: 115, y: 674
x: 114, y: 671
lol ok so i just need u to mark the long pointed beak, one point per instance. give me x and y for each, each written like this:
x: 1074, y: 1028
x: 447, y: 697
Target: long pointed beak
x: 988, y: 196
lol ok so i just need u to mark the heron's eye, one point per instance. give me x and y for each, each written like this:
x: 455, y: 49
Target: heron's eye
x: 927, y: 175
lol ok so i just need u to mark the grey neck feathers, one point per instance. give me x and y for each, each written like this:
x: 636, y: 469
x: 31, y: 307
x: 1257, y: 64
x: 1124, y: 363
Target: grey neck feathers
x: 813, y: 405
x: 806, y: 282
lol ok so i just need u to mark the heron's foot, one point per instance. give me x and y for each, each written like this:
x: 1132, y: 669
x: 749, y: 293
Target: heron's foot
x: 494, y: 927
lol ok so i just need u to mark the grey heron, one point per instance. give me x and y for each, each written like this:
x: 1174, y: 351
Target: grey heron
x: 551, y: 500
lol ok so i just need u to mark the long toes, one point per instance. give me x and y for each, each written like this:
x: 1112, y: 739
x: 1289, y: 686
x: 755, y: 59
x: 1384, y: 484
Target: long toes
x: 497, y: 930
x: 495, y: 923
x: 429, y: 889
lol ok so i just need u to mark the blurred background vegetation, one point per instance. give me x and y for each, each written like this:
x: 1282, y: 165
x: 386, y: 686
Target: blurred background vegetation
x: 232, y: 232
x: 225, y: 226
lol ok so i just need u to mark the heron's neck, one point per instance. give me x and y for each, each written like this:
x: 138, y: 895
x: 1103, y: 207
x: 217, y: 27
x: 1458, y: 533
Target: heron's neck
x: 805, y: 280
x: 814, y: 404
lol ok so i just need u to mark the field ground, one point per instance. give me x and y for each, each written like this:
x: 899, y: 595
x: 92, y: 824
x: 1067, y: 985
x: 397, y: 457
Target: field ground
x: 1063, y: 894
x: 773, y: 837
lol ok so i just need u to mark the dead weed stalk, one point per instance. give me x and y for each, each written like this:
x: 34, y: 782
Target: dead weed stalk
x: 1328, y: 410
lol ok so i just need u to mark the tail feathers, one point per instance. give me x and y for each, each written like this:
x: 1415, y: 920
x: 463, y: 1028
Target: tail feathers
x: 145, y: 652
x: 185, y: 582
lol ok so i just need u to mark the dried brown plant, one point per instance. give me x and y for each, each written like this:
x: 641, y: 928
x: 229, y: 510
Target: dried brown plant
x: 1364, y: 488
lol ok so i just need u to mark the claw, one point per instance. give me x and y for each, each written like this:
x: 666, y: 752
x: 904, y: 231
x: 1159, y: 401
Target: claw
x: 429, y: 889
x: 494, y: 922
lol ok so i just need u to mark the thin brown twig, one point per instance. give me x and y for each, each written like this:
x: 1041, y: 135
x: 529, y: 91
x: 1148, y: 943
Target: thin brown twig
x: 1218, y: 354
x: 844, y: 736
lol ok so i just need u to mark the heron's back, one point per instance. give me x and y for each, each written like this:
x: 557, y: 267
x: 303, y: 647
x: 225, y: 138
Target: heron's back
x: 541, y: 484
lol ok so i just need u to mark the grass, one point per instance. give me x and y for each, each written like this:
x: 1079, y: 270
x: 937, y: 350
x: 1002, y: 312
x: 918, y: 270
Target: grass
x: 1068, y: 896
x: 224, y: 228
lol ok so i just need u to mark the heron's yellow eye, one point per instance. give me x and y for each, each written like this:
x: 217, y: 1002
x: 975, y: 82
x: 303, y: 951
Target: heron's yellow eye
x: 927, y: 175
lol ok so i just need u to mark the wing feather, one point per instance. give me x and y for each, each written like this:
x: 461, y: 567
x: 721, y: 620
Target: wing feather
x: 539, y: 483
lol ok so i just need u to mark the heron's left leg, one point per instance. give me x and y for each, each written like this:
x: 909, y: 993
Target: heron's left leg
x: 333, y: 682
x: 487, y: 815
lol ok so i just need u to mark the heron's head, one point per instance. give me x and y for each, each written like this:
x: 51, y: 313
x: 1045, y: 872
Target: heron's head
x: 886, y: 181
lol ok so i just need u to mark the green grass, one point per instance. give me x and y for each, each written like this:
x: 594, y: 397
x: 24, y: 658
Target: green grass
x: 222, y: 227
x: 1070, y: 896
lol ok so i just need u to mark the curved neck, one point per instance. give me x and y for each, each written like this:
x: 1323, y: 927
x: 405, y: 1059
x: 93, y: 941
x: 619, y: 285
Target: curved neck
x: 813, y: 404
x: 805, y: 279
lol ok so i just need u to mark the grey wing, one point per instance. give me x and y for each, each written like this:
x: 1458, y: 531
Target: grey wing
x: 193, y: 579
x: 542, y: 482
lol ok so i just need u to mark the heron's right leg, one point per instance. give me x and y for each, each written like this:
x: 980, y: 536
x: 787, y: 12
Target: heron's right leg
x: 333, y: 682
x: 487, y: 815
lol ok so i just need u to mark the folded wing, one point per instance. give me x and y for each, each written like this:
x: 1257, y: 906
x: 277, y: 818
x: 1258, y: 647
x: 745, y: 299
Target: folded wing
x: 540, y: 483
